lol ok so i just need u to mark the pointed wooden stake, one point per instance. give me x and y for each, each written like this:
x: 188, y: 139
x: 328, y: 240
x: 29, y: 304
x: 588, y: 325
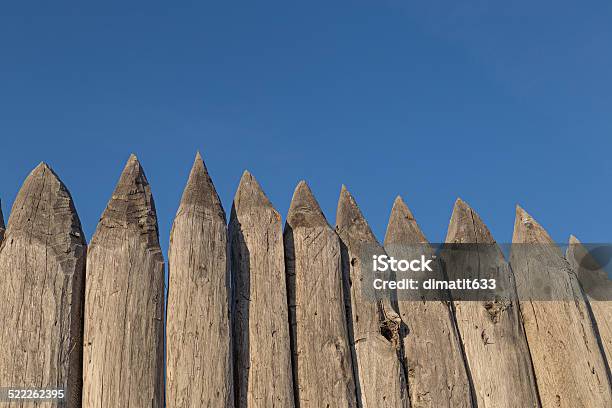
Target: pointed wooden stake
x: 598, y: 289
x: 199, y: 364
x: 402, y: 226
x: 380, y: 374
x: 437, y: 374
x: 322, y: 366
x: 262, y: 352
x: 124, y: 301
x: 42, y: 264
x: 569, y: 367
x: 491, y: 329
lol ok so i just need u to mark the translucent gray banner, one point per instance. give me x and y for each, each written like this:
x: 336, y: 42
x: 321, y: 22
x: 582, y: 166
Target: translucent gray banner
x: 20, y: 395
x: 486, y: 272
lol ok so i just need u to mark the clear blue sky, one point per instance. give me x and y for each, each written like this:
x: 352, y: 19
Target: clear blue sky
x: 497, y: 102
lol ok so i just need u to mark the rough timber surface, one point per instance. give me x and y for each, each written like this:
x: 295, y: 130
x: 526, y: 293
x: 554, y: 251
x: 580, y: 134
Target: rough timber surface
x: 598, y: 288
x: 124, y: 301
x: 491, y: 330
x: 198, y: 349
x: 322, y: 364
x: 262, y: 352
x: 374, y: 326
x: 42, y: 266
x: 437, y: 376
x: 568, y: 364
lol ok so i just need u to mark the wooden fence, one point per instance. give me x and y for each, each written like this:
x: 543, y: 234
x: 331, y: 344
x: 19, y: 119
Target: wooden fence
x: 264, y: 316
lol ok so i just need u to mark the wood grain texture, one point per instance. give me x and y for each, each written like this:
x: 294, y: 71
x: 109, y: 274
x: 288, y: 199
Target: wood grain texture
x: 491, y: 330
x: 437, y: 375
x: 124, y: 301
x: 598, y: 289
x: 374, y: 325
x: 262, y: 352
x: 568, y: 364
x: 42, y: 264
x: 322, y: 363
x: 198, y: 350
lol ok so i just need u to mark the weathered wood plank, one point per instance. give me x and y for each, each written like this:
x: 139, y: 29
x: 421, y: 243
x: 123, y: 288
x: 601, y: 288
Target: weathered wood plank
x: 568, y: 364
x: 124, y: 301
x: 262, y: 351
x: 322, y: 363
x: 198, y: 350
x: 491, y: 330
x: 437, y: 375
x: 42, y: 264
x: 380, y: 373
x: 598, y: 289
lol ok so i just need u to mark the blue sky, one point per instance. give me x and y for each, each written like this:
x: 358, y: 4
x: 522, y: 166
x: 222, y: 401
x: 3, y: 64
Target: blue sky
x: 497, y: 103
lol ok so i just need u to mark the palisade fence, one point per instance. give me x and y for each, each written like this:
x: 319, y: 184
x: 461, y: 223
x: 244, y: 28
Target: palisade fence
x: 258, y: 315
